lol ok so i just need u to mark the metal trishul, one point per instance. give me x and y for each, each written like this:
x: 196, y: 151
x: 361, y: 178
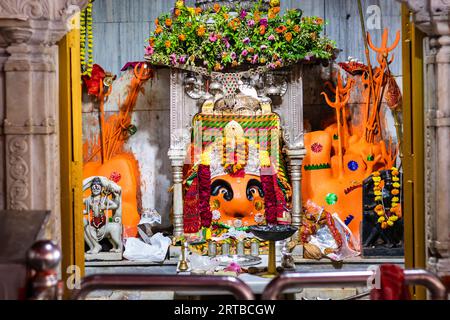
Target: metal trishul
x: 384, y: 50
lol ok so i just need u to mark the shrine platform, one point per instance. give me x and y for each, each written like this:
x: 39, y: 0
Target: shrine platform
x: 256, y: 283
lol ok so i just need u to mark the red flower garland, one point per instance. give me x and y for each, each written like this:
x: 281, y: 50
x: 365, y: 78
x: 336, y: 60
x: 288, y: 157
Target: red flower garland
x: 191, y: 218
x: 274, y: 208
x: 204, y: 191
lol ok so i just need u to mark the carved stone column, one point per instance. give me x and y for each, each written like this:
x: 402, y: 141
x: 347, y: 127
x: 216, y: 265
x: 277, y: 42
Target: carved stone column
x: 433, y: 18
x: 294, y: 138
x: 30, y: 30
x: 179, y: 139
x: 295, y: 167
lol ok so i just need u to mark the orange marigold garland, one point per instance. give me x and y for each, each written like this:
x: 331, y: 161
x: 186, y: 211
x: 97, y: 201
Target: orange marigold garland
x: 387, y: 216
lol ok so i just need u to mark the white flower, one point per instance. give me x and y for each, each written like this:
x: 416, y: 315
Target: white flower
x: 216, y: 215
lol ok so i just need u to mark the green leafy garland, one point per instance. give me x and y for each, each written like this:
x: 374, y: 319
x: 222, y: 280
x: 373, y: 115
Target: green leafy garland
x: 218, y: 39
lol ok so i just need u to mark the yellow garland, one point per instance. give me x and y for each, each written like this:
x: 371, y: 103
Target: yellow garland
x: 86, y: 33
x: 385, y: 220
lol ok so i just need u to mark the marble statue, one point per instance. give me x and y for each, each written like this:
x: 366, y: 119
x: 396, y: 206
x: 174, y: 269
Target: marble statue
x: 105, y: 196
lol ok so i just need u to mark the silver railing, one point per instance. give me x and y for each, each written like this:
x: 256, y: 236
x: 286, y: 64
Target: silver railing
x: 185, y: 283
x: 351, y: 278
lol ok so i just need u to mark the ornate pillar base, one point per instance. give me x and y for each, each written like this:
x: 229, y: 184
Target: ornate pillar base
x: 296, y: 157
x: 177, y: 157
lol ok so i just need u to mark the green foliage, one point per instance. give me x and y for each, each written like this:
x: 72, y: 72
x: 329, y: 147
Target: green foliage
x: 218, y: 39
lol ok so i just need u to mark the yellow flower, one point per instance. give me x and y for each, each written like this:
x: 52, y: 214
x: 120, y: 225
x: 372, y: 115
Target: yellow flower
x: 378, y: 198
x: 179, y: 4
x: 381, y: 219
x: 378, y: 193
x: 380, y: 213
x: 396, y: 185
x: 393, y: 218
x: 395, y: 199
x: 376, y: 179
x: 208, y: 234
x: 274, y: 3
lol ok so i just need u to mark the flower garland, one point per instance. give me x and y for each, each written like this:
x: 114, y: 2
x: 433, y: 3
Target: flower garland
x: 86, y: 32
x: 387, y: 217
x: 217, y: 38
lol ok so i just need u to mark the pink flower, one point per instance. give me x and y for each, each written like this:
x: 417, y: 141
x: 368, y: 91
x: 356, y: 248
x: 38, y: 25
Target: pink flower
x: 246, y: 41
x: 255, y: 59
x: 243, y: 14
x: 264, y: 22
x: 251, y: 23
x: 149, y: 50
x: 173, y: 58
x: 227, y: 43
x: 244, y: 53
x: 263, y: 47
x: 182, y: 59
x: 212, y: 37
x: 271, y: 37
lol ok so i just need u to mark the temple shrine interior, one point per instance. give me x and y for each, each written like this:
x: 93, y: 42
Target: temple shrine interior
x: 258, y: 141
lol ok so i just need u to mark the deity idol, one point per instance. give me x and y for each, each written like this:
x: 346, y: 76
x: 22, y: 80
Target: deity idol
x: 97, y: 225
x: 235, y: 184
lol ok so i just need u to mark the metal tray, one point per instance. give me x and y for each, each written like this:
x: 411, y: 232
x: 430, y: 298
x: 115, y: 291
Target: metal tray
x: 243, y: 261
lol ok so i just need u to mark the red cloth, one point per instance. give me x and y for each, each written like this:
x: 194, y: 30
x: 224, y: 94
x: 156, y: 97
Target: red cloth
x: 393, y: 285
x: 93, y: 82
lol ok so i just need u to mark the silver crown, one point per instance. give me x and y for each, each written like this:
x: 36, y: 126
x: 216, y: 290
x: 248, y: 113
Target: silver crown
x: 232, y: 4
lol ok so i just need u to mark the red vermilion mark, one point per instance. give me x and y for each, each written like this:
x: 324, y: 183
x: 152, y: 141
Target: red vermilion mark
x: 317, y: 148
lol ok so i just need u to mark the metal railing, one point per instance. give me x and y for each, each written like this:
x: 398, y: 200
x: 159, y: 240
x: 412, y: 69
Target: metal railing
x: 341, y: 279
x: 188, y: 283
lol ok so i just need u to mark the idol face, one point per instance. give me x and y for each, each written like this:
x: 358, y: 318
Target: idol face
x: 96, y: 189
x: 238, y: 198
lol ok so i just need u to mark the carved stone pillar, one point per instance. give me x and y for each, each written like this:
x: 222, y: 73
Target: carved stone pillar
x: 30, y: 31
x: 295, y: 167
x: 294, y: 138
x: 433, y: 18
x: 180, y: 117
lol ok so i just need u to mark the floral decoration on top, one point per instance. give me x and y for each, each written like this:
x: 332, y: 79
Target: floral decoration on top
x: 218, y: 39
